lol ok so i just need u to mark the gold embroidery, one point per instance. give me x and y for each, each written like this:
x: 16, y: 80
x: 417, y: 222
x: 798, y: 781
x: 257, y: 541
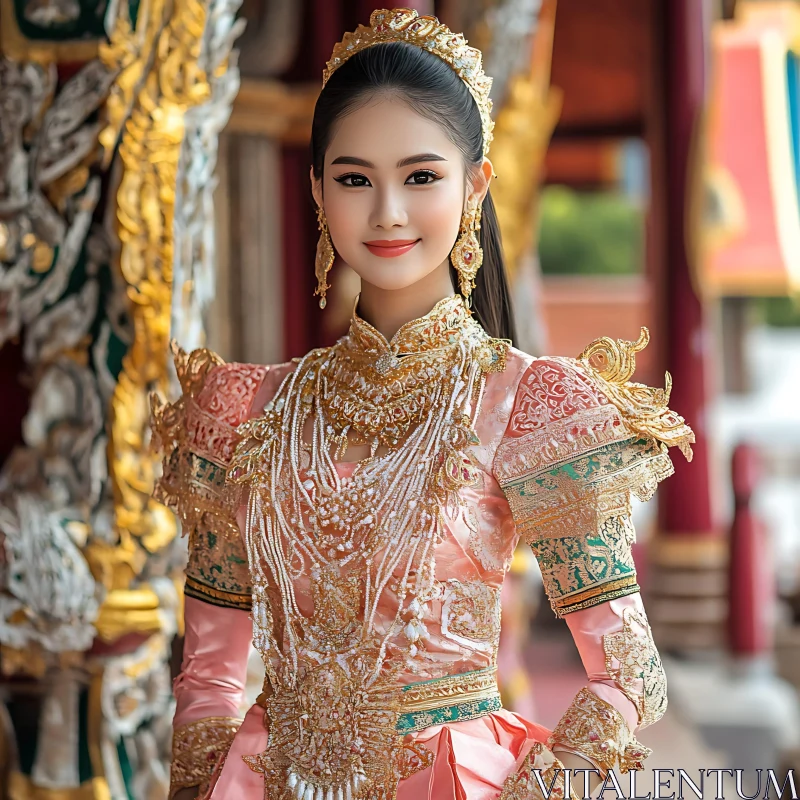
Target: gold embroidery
x: 332, y: 727
x: 197, y: 435
x: 488, y: 542
x: 464, y: 688
x: 197, y: 748
x: 576, y: 516
x: 582, y: 571
x: 638, y: 671
x: 471, y: 614
x: 523, y: 785
x: 645, y: 410
x: 596, y: 730
x: 360, y: 539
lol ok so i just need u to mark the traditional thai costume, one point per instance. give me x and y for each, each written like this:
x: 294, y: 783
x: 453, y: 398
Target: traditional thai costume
x: 372, y: 589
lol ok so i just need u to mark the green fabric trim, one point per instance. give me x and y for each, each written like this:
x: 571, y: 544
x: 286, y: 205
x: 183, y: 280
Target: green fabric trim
x: 460, y: 712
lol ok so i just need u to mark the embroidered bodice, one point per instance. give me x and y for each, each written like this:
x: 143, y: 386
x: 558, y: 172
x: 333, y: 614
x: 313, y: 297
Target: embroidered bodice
x: 369, y: 577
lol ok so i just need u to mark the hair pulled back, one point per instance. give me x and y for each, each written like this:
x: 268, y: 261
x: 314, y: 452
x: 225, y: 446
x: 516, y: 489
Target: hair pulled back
x: 435, y: 91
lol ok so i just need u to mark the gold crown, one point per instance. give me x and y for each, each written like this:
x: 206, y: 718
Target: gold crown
x: 405, y: 25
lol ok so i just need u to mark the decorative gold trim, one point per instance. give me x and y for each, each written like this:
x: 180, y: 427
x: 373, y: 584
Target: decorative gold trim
x: 197, y: 748
x: 427, y: 33
x: 467, y: 687
x: 207, y: 594
x: 645, y: 410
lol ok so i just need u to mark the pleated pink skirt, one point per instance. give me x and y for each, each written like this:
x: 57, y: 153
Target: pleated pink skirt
x: 472, y: 759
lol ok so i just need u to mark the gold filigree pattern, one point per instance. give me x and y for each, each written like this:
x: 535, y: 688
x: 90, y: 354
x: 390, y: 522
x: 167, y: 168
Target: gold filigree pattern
x: 379, y: 390
x: 576, y: 517
x: 197, y: 748
x: 594, y: 729
x: 160, y: 82
x: 540, y: 776
x: 645, y: 410
x: 632, y: 660
x: 471, y: 614
x: 332, y: 728
x: 467, y: 687
x: 582, y: 571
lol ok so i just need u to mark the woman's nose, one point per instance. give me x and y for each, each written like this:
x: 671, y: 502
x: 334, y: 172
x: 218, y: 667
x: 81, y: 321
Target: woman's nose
x: 389, y: 211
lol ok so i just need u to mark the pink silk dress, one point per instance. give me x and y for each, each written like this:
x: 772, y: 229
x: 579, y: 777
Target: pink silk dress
x: 561, y: 445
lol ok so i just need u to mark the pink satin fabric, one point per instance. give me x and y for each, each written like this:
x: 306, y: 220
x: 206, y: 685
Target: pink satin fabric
x: 214, y: 669
x: 588, y: 628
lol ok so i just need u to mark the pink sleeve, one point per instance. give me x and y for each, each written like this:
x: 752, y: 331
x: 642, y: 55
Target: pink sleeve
x: 215, y: 652
x: 599, y: 628
x: 208, y: 691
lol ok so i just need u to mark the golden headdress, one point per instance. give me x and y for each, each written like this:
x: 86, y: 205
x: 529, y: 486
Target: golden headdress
x: 405, y: 25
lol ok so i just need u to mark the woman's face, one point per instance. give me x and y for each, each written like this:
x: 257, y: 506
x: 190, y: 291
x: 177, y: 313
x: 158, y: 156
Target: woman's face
x: 394, y: 188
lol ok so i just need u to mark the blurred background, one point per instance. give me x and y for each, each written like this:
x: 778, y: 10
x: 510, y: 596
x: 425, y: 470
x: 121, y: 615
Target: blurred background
x: 154, y: 183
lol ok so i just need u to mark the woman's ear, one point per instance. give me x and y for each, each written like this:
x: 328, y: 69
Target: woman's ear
x: 316, y: 187
x: 481, y: 179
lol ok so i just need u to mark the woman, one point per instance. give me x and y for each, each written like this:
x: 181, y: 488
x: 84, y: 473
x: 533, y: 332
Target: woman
x: 354, y: 512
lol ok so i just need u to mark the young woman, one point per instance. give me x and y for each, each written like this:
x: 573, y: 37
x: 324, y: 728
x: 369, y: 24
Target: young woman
x: 354, y: 512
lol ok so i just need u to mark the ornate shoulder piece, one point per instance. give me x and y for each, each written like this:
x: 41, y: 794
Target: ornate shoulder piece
x: 197, y: 434
x: 168, y: 418
x: 645, y: 410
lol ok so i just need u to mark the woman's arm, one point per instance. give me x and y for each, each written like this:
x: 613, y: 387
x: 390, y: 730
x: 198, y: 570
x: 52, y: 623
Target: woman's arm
x: 208, y: 690
x: 580, y: 441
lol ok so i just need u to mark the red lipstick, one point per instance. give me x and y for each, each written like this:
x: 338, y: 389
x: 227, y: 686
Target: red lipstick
x: 390, y: 248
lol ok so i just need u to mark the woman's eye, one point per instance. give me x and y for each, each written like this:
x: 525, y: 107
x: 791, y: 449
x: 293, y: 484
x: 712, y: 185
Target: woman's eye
x: 353, y: 179
x: 422, y: 177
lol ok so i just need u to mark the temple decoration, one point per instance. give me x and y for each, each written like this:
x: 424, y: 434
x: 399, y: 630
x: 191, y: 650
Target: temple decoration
x: 109, y: 127
x: 751, y: 230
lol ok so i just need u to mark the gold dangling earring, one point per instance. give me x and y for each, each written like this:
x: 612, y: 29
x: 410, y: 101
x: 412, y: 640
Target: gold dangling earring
x: 467, y: 254
x: 324, y: 260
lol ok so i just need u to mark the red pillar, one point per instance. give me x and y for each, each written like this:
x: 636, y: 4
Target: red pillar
x: 686, y: 500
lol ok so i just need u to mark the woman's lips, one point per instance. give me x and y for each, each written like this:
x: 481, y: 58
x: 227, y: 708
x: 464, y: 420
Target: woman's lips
x: 390, y: 248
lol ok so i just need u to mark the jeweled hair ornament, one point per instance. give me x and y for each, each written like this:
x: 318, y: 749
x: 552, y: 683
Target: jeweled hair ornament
x: 406, y: 25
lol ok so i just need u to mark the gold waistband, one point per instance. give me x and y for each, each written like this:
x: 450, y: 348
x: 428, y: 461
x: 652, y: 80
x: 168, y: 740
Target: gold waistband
x: 468, y: 687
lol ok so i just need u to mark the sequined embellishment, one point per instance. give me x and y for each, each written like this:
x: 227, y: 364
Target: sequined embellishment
x: 632, y: 660
x: 361, y: 538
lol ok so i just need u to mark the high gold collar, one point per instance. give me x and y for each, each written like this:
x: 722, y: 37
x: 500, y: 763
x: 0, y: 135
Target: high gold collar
x: 436, y: 329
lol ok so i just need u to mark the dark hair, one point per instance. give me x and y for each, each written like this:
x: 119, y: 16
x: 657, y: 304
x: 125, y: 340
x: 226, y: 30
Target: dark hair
x: 431, y: 87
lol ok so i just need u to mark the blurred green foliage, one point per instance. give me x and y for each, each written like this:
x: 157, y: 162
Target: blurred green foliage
x: 779, y: 312
x: 590, y: 233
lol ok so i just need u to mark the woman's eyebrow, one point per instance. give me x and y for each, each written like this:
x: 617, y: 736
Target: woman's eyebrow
x: 357, y: 162
x: 405, y: 162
